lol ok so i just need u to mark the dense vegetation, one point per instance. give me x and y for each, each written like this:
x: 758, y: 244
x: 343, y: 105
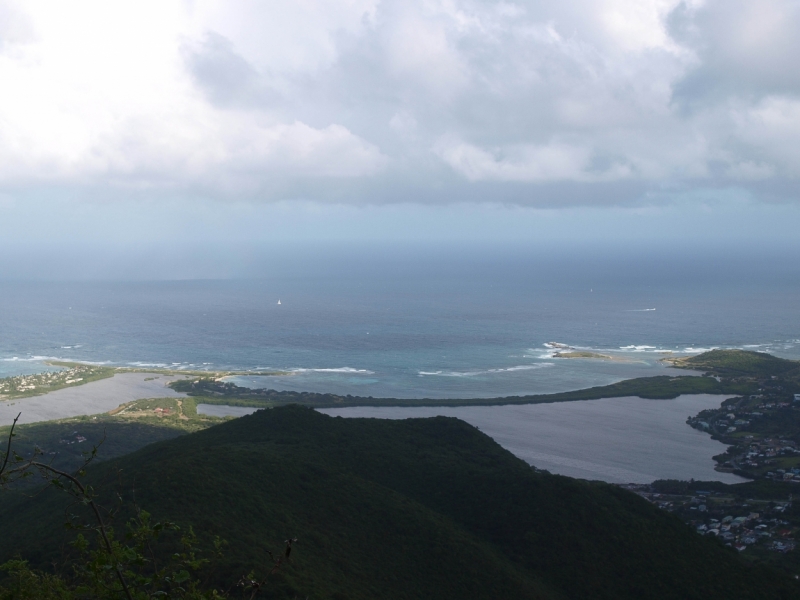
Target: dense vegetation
x: 421, y: 508
x: 133, y: 425
x: 64, y: 444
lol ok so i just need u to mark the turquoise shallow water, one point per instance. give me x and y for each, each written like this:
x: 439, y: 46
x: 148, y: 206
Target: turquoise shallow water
x: 415, y: 325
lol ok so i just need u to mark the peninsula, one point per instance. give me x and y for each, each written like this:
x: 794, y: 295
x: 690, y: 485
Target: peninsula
x: 662, y: 387
x: 72, y: 374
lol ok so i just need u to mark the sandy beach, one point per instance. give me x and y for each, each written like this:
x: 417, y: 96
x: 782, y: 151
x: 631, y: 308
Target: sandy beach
x: 92, y: 398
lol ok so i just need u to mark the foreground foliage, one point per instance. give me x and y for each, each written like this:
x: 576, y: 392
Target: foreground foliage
x: 151, y: 560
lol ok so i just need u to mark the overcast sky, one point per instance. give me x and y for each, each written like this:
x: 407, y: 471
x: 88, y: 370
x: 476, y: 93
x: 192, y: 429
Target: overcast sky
x: 399, y: 119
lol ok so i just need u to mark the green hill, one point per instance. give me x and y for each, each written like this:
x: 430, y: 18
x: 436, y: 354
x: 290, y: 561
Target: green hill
x: 740, y: 363
x: 420, y: 508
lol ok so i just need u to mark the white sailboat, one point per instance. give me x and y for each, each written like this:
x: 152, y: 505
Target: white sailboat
x: 279, y: 300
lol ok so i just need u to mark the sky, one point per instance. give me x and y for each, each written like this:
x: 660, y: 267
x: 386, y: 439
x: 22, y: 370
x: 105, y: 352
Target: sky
x: 155, y: 129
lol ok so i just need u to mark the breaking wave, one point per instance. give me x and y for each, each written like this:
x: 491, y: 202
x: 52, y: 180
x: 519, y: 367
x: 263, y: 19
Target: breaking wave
x: 483, y: 372
x: 333, y: 370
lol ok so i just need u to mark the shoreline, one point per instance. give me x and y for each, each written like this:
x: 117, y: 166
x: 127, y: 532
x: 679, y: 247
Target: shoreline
x: 582, y: 439
x: 18, y: 387
x: 581, y: 355
x: 167, y: 371
x: 92, y: 398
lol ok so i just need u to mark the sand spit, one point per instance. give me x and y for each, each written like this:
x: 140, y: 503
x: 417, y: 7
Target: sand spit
x: 92, y: 398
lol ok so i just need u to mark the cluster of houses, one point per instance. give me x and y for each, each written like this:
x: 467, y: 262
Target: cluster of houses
x: 738, y: 524
x: 765, y: 451
x: 751, y: 454
x: 20, y: 384
x: 744, y: 531
x: 78, y: 439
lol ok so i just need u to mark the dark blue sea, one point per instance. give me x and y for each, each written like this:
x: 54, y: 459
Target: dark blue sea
x: 424, y: 322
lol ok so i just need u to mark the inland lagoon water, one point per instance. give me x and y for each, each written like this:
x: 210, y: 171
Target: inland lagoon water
x: 618, y: 440
x: 89, y: 399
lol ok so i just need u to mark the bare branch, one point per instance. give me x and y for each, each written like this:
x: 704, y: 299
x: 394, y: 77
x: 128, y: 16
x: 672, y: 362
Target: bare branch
x: 100, y: 524
x: 8, y: 445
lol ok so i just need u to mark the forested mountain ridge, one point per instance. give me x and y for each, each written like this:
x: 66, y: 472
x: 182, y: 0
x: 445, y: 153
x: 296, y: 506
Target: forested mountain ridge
x: 421, y: 508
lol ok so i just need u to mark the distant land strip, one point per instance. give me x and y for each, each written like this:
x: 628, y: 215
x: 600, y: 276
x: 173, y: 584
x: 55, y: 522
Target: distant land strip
x: 662, y: 387
x: 167, y: 371
x: 73, y: 374
x: 726, y: 372
x: 731, y: 372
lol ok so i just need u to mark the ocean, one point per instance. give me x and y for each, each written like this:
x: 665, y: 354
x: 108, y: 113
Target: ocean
x: 470, y: 322
x: 466, y: 322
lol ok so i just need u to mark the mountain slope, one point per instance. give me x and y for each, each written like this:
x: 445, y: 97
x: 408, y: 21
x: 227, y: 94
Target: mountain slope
x: 422, y: 508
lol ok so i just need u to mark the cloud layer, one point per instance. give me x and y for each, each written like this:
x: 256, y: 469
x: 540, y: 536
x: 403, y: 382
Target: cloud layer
x: 372, y: 101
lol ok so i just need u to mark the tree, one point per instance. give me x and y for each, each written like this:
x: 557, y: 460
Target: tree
x: 142, y: 564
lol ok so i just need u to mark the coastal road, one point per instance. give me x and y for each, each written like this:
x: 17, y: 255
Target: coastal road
x: 89, y: 399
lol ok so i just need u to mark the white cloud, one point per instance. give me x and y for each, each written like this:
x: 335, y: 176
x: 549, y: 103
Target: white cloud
x: 104, y: 97
x: 744, y: 49
x: 553, y: 162
x: 770, y: 130
x: 253, y: 99
x: 235, y: 154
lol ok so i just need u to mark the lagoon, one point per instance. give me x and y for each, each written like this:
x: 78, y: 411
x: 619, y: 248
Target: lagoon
x: 618, y: 440
x: 224, y: 410
x: 88, y: 399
